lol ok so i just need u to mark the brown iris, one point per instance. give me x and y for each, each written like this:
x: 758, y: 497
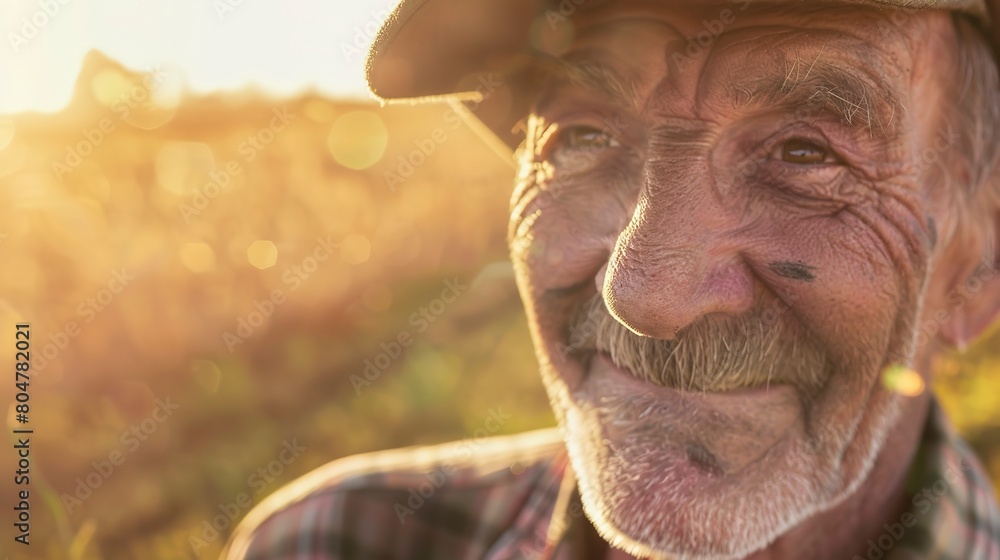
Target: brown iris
x: 802, y: 152
x: 587, y: 138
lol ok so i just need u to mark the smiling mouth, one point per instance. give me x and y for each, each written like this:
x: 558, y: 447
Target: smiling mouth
x: 734, y: 384
x: 601, y: 369
x: 715, y: 354
x: 701, y: 434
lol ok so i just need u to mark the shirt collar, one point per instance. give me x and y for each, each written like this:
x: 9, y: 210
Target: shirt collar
x: 953, y: 511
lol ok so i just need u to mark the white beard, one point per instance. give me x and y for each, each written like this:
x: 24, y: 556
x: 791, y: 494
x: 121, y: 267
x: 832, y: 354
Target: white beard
x: 627, y: 467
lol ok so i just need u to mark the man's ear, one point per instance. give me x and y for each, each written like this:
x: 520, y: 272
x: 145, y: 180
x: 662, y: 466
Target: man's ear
x: 973, y: 299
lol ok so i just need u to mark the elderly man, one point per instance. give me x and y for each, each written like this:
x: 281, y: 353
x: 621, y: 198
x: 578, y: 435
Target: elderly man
x: 742, y: 230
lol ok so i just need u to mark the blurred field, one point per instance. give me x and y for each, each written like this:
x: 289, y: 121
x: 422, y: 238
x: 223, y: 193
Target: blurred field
x: 236, y: 262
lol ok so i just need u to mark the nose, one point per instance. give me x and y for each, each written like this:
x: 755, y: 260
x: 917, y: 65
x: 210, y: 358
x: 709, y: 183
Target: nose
x: 677, y: 260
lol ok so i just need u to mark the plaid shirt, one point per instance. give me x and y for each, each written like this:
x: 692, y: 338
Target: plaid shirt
x: 515, y: 497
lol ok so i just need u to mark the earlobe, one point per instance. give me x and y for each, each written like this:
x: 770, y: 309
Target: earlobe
x: 954, y: 332
x: 984, y: 315
x: 977, y: 305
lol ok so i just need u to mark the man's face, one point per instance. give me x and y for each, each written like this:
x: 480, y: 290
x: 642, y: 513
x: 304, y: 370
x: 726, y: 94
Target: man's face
x: 722, y: 244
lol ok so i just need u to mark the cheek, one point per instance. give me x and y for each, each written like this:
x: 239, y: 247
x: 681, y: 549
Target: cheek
x: 563, y: 230
x: 856, y: 302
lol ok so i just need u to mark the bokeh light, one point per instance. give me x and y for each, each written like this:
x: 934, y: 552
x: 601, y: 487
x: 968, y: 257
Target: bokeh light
x: 355, y: 249
x: 197, y: 257
x: 358, y: 139
x: 183, y: 166
x: 262, y: 254
x: 109, y: 85
x: 208, y: 374
x: 319, y: 111
x: 903, y: 380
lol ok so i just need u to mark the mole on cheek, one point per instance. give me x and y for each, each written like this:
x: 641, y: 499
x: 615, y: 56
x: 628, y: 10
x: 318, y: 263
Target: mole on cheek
x: 793, y: 270
x: 704, y: 459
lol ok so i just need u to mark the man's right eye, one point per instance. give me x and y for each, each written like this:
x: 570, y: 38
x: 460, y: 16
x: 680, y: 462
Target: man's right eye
x: 586, y: 138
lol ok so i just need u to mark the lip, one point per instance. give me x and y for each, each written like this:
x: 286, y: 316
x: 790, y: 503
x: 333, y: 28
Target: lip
x: 774, y: 395
x: 737, y: 428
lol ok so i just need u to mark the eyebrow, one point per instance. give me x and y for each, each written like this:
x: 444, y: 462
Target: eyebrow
x: 859, y: 98
x: 587, y: 70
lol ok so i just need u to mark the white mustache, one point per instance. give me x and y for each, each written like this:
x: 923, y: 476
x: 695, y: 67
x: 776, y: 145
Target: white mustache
x: 754, y: 349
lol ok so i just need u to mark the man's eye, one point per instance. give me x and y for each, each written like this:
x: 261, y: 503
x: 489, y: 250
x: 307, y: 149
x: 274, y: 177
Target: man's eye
x: 587, y: 138
x: 804, y: 152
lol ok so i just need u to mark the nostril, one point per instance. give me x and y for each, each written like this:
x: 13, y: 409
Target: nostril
x: 600, y: 277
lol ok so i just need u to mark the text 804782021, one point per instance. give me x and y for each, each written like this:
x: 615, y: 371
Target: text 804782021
x: 22, y: 445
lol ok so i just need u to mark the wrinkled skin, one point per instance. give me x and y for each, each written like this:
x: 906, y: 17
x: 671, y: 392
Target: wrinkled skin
x: 695, y: 194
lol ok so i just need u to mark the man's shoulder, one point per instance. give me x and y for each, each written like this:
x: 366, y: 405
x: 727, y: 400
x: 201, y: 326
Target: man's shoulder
x: 452, y: 497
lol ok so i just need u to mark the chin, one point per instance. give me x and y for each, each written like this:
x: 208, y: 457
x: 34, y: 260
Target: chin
x: 712, y: 475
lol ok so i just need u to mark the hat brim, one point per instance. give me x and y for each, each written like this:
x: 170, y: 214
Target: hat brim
x: 480, y: 53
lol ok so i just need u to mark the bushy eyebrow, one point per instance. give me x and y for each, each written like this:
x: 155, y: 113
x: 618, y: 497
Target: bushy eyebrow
x: 861, y: 99
x: 584, y: 69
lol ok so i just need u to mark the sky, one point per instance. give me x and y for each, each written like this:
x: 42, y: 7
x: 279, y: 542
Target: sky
x: 279, y: 46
